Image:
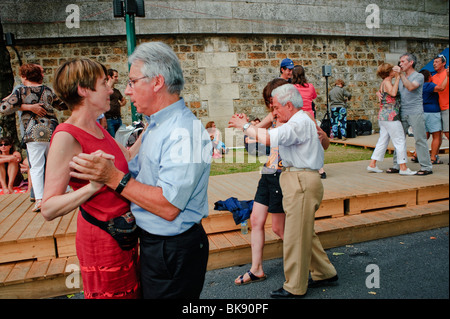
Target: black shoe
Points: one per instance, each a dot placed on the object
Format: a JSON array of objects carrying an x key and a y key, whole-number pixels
[
  {"x": 321, "y": 283},
  {"x": 281, "y": 293}
]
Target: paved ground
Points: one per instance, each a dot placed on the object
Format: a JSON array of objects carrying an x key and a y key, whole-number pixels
[{"x": 412, "y": 266}]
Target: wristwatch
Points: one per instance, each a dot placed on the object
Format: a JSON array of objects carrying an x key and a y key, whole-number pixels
[
  {"x": 246, "y": 126},
  {"x": 123, "y": 183}
]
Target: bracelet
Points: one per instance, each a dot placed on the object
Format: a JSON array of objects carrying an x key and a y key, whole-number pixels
[{"x": 123, "y": 183}]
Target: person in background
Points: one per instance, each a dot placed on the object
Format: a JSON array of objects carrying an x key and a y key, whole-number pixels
[
  {"x": 338, "y": 104},
  {"x": 308, "y": 93},
  {"x": 286, "y": 67},
  {"x": 410, "y": 88},
  {"x": 389, "y": 121},
  {"x": 439, "y": 63},
  {"x": 10, "y": 175},
  {"x": 219, "y": 147},
  {"x": 432, "y": 114},
  {"x": 38, "y": 104},
  {"x": 116, "y": 101}
]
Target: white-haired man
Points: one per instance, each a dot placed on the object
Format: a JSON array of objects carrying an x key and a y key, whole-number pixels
[{"x": 301, "y": 150}]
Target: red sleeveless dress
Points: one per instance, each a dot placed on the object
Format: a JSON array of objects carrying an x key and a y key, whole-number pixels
[{"x": 107, "y": 270}]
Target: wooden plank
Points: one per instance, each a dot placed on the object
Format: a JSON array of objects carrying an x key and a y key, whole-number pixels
[
  {"x": 14, "y": 251},
  {"x": 56, "y": 267},
  {"x": 66, "y": 246},
  {"x": 427, "y": 194},
  {"x": 64, "y": 222},
  {"x": 384, "y": 200},
  {"x": 235, "y": 239},
  {"x": 37, "y": 270},
  {"x": 5, "y": 270},
  {"x": 221, "y": 241},
  {"x": 19, "y": 272},
  {"x": 18, "y": 227},
  {"x": 7, "y": 225},
  {"x": 331, "y": 208}
]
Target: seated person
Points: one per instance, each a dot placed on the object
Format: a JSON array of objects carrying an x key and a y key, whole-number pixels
[
  {"x": 254, "y": 148},
  {"x": 9, "y": 166}
]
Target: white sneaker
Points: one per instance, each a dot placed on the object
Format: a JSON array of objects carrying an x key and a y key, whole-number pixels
[
  {"x": 374, "y": 169},
  {"x": 408, "y": 172}
]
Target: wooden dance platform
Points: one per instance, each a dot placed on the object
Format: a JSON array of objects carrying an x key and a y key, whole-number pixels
[{"x": 38, "y": 258}]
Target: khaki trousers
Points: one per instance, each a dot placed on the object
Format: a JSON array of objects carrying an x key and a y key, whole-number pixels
[{"x": 302, "y": 251}]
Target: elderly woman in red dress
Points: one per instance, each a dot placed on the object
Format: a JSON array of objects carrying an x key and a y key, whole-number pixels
[{"x": 107, "y": 270}]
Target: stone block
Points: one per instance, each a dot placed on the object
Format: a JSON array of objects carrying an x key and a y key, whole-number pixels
[
  {"x": 218, "y": 75},
  {"x": 219, "y": 91},
  {"x": 215, "y": 60}
]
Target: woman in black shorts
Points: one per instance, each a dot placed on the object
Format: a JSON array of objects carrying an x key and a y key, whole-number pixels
[{"x": 268, "y": 198}]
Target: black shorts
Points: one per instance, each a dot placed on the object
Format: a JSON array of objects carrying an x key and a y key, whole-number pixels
[{"x": 269, "y": 193}]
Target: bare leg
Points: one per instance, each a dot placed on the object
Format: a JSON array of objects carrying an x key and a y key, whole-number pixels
[{"x": 258, "y": 220}]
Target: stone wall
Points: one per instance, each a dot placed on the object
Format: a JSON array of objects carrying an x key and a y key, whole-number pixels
[
  {"x": 230, "y": 49},
  {"x": 226, "y": 74}
]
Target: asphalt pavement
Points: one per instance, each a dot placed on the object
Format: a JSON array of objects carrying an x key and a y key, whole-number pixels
[
  {"x": 411, "y": 266},
  {"x": 408, "y": 267}
]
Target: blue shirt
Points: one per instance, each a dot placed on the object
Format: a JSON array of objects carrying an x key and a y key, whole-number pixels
[
  {"x": 175, "y": 154},
  {"x": 430, "y": 98}
]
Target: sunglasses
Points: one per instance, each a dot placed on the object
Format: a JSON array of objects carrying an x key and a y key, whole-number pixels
[
  {"x": 441, "y": 56},
  {"x": 5, "y": 144}
]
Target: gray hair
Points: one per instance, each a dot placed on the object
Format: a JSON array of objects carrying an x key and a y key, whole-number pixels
[
  {"x": 410, "y": 57},
  {"x": 288, "y": 93},
  {"x": 159, "y": 59}
]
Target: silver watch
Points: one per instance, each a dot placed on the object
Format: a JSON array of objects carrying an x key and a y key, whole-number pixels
[{"x": 246, "y": 126}]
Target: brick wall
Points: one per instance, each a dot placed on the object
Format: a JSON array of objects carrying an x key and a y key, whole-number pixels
[{"x": 226, "y": 74}]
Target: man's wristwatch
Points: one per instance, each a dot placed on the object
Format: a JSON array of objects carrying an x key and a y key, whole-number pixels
[
  {"x": 123, "y": 183},
  {"x": 246, "y": 126}
]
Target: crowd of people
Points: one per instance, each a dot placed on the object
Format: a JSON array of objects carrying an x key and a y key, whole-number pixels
[
  {"x": 139, "y": 231},
  {"x": 408, "y": 99}
]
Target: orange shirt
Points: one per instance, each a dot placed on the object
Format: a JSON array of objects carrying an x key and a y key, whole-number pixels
[{"x": 443, "y": 96}]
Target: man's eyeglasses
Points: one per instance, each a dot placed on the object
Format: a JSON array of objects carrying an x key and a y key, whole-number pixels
[
  {"x": 131, "y": 83},
  {"x": 5, "y": 144}
]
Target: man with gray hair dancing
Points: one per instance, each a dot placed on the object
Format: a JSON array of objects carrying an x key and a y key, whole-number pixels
[
  {"x": 301, "y": 150},
  {"x": 167, "y": 190}
]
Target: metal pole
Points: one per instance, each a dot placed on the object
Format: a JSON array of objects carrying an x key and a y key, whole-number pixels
[{"x": 131, "y": 44}]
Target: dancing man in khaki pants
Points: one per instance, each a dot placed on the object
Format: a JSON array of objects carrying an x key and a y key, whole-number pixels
[{"x": 301, "y": 144}]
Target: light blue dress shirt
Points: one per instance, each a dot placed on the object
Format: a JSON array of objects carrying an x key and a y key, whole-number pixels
[{"x": 175, "y": 155}]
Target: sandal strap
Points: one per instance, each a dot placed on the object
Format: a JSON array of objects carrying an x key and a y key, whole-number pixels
[{"x": 252, "y": 276}]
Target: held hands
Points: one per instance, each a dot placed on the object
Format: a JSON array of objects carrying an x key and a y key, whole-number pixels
[
  {"x": 238, "y": 120},
  {"x": 97, "y": 167}
]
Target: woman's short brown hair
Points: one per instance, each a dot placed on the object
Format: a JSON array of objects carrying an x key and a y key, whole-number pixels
[
  {"x": 32, "y": 72},
  {"x": 267, "y": 91},
  {"x": 384, "y": 70},
  {"x": 77, "y": 72}
]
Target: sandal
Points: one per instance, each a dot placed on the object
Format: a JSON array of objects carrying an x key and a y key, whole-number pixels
[
  {"x": 253, "y": 279},
  {"x": 414, "y": 159},
  {"x": 437, "y": 161},
  {"x": 37, "y": 206},
  {"x": 423, "y": 173},
  {"x": 392, "y": 170}
]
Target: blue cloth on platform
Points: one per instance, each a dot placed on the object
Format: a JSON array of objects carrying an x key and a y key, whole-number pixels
[{"x": 241, "y": 209}]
